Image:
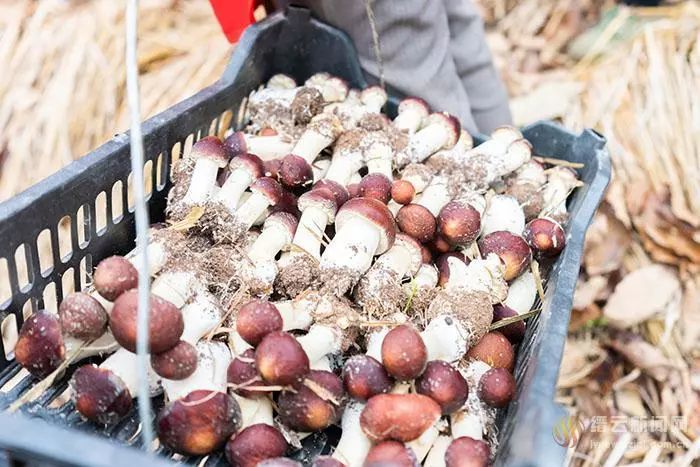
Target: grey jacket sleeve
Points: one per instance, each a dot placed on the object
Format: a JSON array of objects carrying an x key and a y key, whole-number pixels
[{"x": 418, "y": 51}]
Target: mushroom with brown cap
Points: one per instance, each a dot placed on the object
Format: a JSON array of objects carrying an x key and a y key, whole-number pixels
[
  {"x": 82, "y": 316},
  {"x": 380, "y": 290},
  {"x": 459, "y": 223},
  {"x": 265, "y": 147},
  {"x": 402, "y": 192},
  {"x": 332, "y": 88},
  {"x": 244, "y": 169},
  {"x": 254, "y": 444},
  {"x": 314, "y": 405},
  {"x": 497, "y": 387},
  {"x": 373, "y": 98},
  {"x": 391, "y": 453},
  {"x": 199, "y": 423},
  {"x": 418, "y": 219},
  {"x": 377, "y": 186},
  {"x": 260, "y": 269},
  {"x": 364, "y": 377},
  {"x": 511, "y": 248},
  {"x": 113, "y": 276},
  {"x": 364, "y": 228},
  {"x": 514, "y": 332},
  {"x": 210, "y": 155},
  {"x": 419, "y": 176},
  {"x": 164, "y": 328},
  {"x": 298, "y": 268},
  {"x": 281, "y": 360},
  {"x": 266, "y": 192},
  {"x": 440, "y": 131},
  {"x": 40, "y": 348},
  {"x": 401, "y": 417},
  {"x": 444, "y": 384},
  {"x": 412, "y": 112},
  {"x": 545, "y": 236},
  {"x": 467, "y": 452},
  {"x": 525, "y": 185}
]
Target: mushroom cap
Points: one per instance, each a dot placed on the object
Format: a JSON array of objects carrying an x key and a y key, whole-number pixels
[
  {"x": 365, "y": 377},
  {"x": 415, "y": 250},
  {"x": 401, "y": 417},
  {"x": 514, "y": 332},
  {"x": 467, "y": 452},
  {"x": 256, "y": 319},
  {"x": 497, "y": 387},
  {"x": 377, "y": 186},
  {"x": 404, "y": 353},
  {"x": 426, "y": 254},
  {"x": 100, "y": 395},
  {"x": 281, "y": 81},
  {"x": 506, "y": 134},
  {"x": 417, "y": 221},
  {"x": 198, "y": 423},
  {"x": 250, "y": 163},
  {"x": 302, "y": 409},
  {"x": 255, "y": 443},
  {"x": 444, "y": 384},
  {"x": 114, "y": 276},
  {"x": 242, "y": 372},
  {"x": 327, "y": 125},
  {"x": 165, "y": 324},
  {"x": 82, "y": 316},
  {"x": 495, "y": 350},
  {"x": 545, "y": 236},
  {"x": 459, "y": 223},
  {"x": 268, "y": 187},
  {"x": 414, "y": 104},
  {"x": 373, "y": 95},
  {"x": 520, "y": 150},
  {"x": 390, "y": 453},
  {"x": 294, "y": 171},
  {"x": 210, "y": 147},
  {"x": 39, "y": 348},
  {"x": 326, "y": 461},
  {"x": 280, "y": 359},
  {"x": 177, "y": 363},
  {"x": 353, "y": 190},
  {"x": 512, "y": 249},
  {"x": 320, "y": 198},
  {"x": 402, "y": 191},
  {"x": 282, "y": 220},
  {"x": 451, "y": 125},
  {"x": 375, "y": 213},
  {"x": 287, "y": 203},
  {"x": 317, "y": 78},
  {"x": 339, "y": 191},
  {"x": 307, "y": 103},
  {"x": 439, "y": 245},
  {"x": 271, "y": 168},
  {"x": 236, "y": 143}
]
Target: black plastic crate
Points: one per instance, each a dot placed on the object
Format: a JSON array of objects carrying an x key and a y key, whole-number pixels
[{"x": 88, "y": 195}]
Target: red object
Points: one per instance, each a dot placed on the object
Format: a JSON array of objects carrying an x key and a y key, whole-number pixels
[{"x": 234, "y": 16}]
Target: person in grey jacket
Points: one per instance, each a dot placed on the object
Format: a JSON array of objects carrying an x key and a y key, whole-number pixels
[{"x": 434, "y": 49}]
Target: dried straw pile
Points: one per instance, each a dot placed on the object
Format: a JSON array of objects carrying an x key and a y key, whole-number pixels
[
  {"x": 63, "y": 84},
  {"x": 631, "y": 368}
]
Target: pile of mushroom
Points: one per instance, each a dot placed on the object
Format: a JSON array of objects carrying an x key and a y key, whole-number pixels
[{"x": 325, "y": 266}]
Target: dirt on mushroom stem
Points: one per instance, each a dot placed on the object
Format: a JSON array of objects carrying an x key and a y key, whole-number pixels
[
  {"x": 301, "y": 274},
  {"x": 380, "y": 293}
]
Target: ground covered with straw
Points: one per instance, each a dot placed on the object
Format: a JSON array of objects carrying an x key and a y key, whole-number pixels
[{"x": 631, "y": 369}]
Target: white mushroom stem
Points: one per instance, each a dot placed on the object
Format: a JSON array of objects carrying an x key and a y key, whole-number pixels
[
  {"x": 503, "y": 213},
  {"x": 522, "y": 293},
  {"x": 427, "y": 276},
  {"x": 320, "y": 168},
  {"x": 560, "y": 182},
  {"x": 212, "y": 364},
  {"x": 396, "y": 259},
  {"x": 353, "y": 246},
  {"x": 409, "y": 120},
  {"x": 255, "y": 410},
  {"x": 177, "y": 287},
  {"x": 480, "y": 275},
  {"x": 295, "y": 314},
  {"x": 320, "y": 341},
  {"x": 123, "y": 364},
  {"x": 474, "y": 418},
  {"x": 255, "y": 206},
  {"x": 344, "y": 167},
  {"x": 436, "y": 456},
  {"x": 374, "y": 343},
  {"x": 272, "y": 240},
  {"x": 200, "y": 317},
  {"x": 423, "y": 443},
  {"x": 427, "y": 141},
  {"x": 315, "y": 138},
  {"x": 267, "y": 148},
  {"x": 202, "y": 181},
  {"x": 233, "y": 188},
  {"x": 309, "y": 234},
  {"x": 445, "y": 339},
  {"x": 105, "y": 344},
  {"x": 379, "y": 157},
  {"x": 353, "y": 445},
  {"x": 494, "y": 159},
  {"x": 435, "y": 196}
]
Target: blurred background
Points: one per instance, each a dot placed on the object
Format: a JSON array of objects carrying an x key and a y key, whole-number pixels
[{"x": 632, "y": 362}]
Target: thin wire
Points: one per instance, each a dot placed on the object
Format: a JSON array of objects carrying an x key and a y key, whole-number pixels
[
  {"x": 375, "y": 42},
  {"x": 141, "y": 216}
]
